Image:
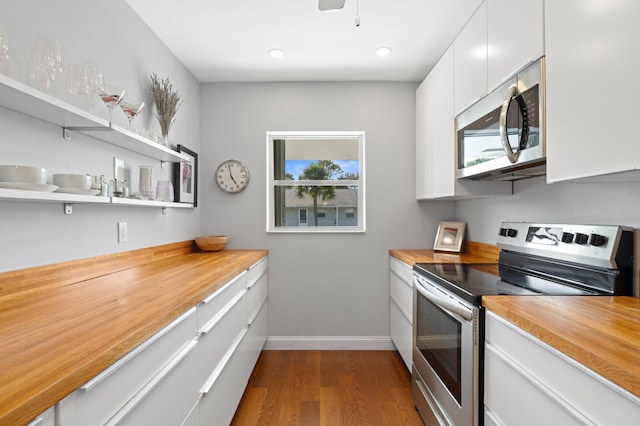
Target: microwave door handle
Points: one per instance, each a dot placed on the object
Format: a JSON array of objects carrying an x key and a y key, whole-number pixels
[
  {"x": 504, "y": 137},
  {"x": 443, "y": 302}
]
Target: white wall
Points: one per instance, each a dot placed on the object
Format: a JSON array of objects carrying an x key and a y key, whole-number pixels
[
  {"x": 111, "y": 34},
  {"x": 319, "y": 285}
]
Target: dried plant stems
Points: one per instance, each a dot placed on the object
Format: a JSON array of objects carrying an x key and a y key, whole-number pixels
[{"x": 167, "y": 101}]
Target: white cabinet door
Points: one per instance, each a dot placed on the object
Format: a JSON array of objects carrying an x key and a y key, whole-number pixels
[
  {"x": 515, "y": 37},
  {"x": 592, "y": 87},
  {"x": 435, "y": 140},
  {"x": 470, "y": 52},
  {"x": 423, "y": 148},
  {"x": 440, "y": 120}
]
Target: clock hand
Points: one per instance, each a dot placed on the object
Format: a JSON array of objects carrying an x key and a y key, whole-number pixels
[{"x": 230, "y": 175}]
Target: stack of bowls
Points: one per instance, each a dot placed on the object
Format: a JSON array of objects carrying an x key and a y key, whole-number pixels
[
  {"x": 72, "y": 182},
  {"x": 23, "y": 174}
]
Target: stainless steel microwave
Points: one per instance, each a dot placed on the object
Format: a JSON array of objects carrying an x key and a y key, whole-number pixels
[{"x": 502, "y": 136}]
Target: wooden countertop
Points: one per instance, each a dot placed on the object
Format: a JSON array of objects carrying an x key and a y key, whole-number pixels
[
  {"x": 600, "y": 332},
  {"x": 472, "y": 252},
  {"x": 61, "y": 332}
]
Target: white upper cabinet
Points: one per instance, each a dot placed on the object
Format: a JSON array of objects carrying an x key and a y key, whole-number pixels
[
  {"x": 470, "y": 58},
  {"x": 435, "y": 140},
  {"x": 593, "y": 65},
  {"x": 514, "y": 37}
]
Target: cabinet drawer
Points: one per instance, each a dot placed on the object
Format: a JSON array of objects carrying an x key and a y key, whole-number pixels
[
  {"x": 597, "y": 398},
  {"x": 97, "y": 400},
  {"x": 47, "y": 418},
  {"x": 256, "y": 337},
  {"x": 401, "y": 294},
  {"x": 257, "y": 290},
  {"x": 168, "y": 398},
  {"x": 219, "y": 335},
  {"x": 401, "y": 333},
  {"x": 256, "y": 270},
  {"x": 402, "y": 270},
  {"x": 223, "y": 391},
  {"x": 513, "y": 398},
  {"x": 210, "y": 307}
]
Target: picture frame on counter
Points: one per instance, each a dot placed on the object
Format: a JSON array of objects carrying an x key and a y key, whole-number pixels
[
  {"x": 185, "y": 177},
  {"x": 449, "y": 236}
]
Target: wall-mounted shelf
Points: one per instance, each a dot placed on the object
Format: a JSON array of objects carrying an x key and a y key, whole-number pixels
[
  {"x": 24, "y": 99},
  {"x": 62, "y": 198}
]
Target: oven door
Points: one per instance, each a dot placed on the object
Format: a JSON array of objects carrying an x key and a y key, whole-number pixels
[{"x": 446, "y": 351}]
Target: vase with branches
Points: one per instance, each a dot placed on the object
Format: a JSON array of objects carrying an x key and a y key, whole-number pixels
[{"x": 167, "y": 102}]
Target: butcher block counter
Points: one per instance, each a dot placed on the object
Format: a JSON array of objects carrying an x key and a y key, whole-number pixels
[
  {"x": 62, "y": 324},
  {"x": 472, "y": 252},
  {"x": 600, "y": 332}
]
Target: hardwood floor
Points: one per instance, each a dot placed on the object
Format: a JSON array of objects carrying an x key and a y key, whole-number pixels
[{"x": 328, "y": 388}]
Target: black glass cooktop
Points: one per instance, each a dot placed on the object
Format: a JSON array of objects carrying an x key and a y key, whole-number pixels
[{"x": 472, "y": 281}]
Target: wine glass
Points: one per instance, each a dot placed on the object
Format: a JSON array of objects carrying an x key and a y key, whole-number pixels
[
  {"x": 4, "y": 51},
  {"x": 45, "y": 62},
  {"x": 111, "y": 96},
  {"x": 131, "y": 110},
  {"x": 93, "y": 81}
]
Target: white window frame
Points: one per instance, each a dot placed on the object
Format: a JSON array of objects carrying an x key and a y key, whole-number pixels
[{"x": 360, "y": 183}]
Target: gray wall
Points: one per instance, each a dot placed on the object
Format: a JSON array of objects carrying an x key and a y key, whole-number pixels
[
  {"x": 111, "y": 34},
  {"x": 331, "y": 284},
  {"x": 536, "y": 201}
]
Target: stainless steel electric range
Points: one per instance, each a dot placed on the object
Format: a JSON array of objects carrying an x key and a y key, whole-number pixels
[{"x": 535, "y": 259}]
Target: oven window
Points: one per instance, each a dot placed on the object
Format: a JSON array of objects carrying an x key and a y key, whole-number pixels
[{"x": 438, "y": 338}]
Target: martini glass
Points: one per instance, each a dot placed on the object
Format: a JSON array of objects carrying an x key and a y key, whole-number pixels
[
  {"x": 131, "y": 111},
  {"x": 111, "y": 96}
]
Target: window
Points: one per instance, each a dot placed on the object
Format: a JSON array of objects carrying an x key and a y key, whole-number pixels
[{"x": 315, "y": 182}]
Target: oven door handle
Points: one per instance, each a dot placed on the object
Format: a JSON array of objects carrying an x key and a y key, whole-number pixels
[{"x": 443, "y": 301}]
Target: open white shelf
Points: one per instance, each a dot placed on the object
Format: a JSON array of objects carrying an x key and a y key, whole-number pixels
[
  {"x": 22, "y": 98},
  {"x": 62, "y": 198}
]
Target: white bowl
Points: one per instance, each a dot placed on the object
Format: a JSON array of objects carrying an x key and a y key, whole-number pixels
[
  {"x": 23, "y": 174},
  {"x": 72, "y": 181}
]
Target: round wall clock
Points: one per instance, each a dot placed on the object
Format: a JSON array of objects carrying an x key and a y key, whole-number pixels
[{"x": 232, "y": 176}]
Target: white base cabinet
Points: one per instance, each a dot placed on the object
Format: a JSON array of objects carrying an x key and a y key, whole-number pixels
[
  {"x": 401, "y": 308},
  {"x": 527, "y": 382},
  {"x": 193, "y": 372}
]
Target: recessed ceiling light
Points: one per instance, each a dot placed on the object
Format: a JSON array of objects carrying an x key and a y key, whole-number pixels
[
  {"x": 383, "y": 51},
  {"x": 276, "y": 53}
]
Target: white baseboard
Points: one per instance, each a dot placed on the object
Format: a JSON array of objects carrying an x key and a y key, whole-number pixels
[{"x": 365, "y": 343}]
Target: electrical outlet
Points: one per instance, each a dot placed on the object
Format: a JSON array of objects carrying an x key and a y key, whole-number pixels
[{"x": 123, "y": 234}]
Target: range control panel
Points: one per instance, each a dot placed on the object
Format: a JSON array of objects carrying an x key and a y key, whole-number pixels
[{"x": 595, "y": 245}]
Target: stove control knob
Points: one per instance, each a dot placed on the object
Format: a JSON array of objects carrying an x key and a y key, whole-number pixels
[
  {"x": 503, "y": 232},
  {"x": 581, "y": 239},
  {"x": 567, "y": 237},
  {"x": 512, "y": 232},
  {"x": 597, "y": 240}
]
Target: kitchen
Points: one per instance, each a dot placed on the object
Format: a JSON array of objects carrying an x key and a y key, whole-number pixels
[{"x": 228, "y": 120}]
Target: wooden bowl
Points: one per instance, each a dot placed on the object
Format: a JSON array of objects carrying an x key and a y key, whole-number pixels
[{"x": 211, "y": 243}]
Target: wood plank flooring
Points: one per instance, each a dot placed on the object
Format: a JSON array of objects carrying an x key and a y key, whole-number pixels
[{"x": 328, "y": 388}]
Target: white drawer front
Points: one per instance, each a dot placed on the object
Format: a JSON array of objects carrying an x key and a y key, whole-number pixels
[
  {"x": 401, "y": 294},
  {"x": 401, "y": 269},
  {"x": 212, "y": 305},
  {"x": 47, "y": 418},
  {"x": 220, "y": 336},
  {"x": 600, "y": 400},
  {"x": 256, "y": 269},
  {"x": 100, "y": 398},
  {"x": 168, "y": 398},
  {"x": 257, "y": 336},
  {"x": 401, "y": 333},
  {"x": 256, "y": 295}
]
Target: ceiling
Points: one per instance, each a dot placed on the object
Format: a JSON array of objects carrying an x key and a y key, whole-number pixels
[{"x": 223, "y": 41}]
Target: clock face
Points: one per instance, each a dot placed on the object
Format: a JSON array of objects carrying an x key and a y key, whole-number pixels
[{"x": 232, "y": 176}]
